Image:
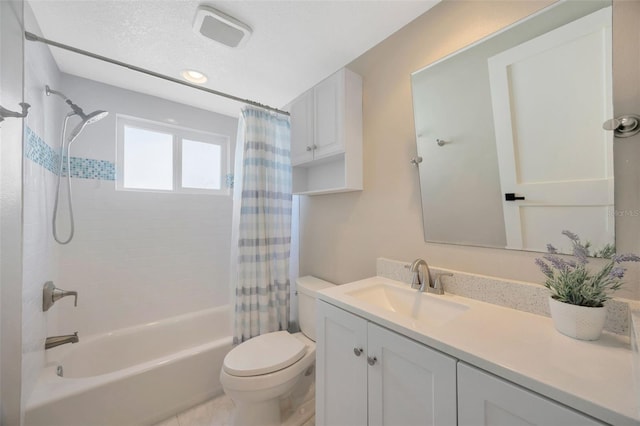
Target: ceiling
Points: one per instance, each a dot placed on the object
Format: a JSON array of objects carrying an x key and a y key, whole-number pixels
[{"x": 294, "y": 45}]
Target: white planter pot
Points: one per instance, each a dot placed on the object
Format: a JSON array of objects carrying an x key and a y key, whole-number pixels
[{"x": 579, "y": 322}]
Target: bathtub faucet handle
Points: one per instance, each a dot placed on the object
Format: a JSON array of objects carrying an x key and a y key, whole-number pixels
[{"x": 51, "y": 294}]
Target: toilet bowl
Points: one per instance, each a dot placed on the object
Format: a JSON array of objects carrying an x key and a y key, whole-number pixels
[{"x": 260, "y": 373}]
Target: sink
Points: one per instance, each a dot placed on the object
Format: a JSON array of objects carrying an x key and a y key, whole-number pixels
[{"x": 421, "y": 307}]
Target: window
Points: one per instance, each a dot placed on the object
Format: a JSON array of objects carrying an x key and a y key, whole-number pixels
[{"x": 159, "y": 157}]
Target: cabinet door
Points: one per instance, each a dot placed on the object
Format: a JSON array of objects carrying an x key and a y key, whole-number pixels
[
  {"x": 302, "y": 129},
  {"x": 329, "y": 101},
  {"x": 409, "y": 384},
  {"x": 341, "y": 374},
  {"x": 484, "y": 399}
]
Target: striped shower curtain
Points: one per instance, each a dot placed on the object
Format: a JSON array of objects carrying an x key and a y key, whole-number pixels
[{"x": 261, "y": 235}]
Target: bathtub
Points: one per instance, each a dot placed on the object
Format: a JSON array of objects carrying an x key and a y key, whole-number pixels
[{"x": 133, "y": 376}]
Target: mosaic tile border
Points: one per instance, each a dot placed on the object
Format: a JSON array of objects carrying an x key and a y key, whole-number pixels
[
  {"x": 87, "y": 168},
  {"x": 38, "y": 151},
  {"x": 228, "y": 180},
  {"x": 520, "y": 295}
]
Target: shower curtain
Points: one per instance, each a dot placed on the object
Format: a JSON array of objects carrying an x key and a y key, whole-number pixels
[{"x": 261, "y": 235}]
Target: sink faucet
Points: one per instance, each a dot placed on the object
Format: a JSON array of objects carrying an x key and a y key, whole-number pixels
[
  {"x": 437, "y": 285},
  {"x": 54, "y": 341},
  {"x": 417, "y": 282},
  {"x": 425, "y": 283}
]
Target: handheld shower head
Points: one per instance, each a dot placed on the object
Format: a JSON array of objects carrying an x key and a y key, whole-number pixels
[
  {"x": 66, "y": 154},
  {"x": 86, "y": 119},
  {"x": 96, "y": 116}
]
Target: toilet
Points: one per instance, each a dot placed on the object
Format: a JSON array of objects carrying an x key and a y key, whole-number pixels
[{"x": 267, "y": 372}]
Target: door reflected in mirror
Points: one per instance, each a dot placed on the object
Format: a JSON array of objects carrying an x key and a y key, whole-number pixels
[{"x": 525, "y": 155}]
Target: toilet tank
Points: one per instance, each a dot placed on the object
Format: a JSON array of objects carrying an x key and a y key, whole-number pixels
[{"x": 308, "y": 287}]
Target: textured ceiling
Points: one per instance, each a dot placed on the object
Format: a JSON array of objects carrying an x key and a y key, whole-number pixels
[{"x": 294, "y": 45}]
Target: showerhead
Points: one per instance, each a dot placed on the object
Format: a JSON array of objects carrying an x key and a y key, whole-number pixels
[
  {"x": 96, "y": 116},
  {"x": 86, "y": 119}
]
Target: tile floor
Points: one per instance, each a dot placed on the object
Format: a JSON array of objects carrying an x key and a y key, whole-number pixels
[{"x": 218, "y": 412}]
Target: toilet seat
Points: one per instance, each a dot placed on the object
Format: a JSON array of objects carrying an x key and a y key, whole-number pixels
[{"x": 276, "y": 351}]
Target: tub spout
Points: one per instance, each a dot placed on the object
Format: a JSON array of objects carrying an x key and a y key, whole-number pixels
[{"x": 54, "y": 341}]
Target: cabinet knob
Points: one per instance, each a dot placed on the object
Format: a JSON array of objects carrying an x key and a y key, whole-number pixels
[
  {"x": 358, "y": 351},
  {"x": 314, "y": 147},
  {"x": 372, "y": 360},
  {"x": 309, "y": 148}
]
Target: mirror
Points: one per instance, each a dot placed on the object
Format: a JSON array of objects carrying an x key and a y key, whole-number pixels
[{"x": 510, "y": 134}]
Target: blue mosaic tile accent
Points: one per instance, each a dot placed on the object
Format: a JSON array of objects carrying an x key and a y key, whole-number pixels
[
  {"x": 37, "y": 150},
  {"x": 87, "y": 168},
  {"x": 228, "y": 181}
]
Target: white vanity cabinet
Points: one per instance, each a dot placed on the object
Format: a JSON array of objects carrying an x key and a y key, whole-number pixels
[
  {"x": 484, "y": 399},
  {"x": 368, "y": 375},
  {"x": 326, "y": 136}
]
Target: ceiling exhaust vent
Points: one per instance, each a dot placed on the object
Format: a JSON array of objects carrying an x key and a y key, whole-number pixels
[{"x": 220, "y": 27}]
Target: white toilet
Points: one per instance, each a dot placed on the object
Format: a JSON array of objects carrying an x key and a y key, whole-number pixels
[{"x": 258, "y": 374}]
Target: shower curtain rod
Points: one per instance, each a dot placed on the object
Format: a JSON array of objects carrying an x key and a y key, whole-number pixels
[{"x": 32, "y": 37}]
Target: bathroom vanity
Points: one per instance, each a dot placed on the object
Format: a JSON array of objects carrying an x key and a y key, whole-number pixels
[{"x": 389, "y": 355}]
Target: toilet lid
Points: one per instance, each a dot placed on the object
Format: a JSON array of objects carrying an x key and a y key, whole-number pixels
[{"x": 264, "y": 354}]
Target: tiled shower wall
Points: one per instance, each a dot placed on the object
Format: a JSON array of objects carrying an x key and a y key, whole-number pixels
[
  {"x": 39, "y": 151},
  {"x": 138, "y": 256},
  {"x": 40, "y": 253}
]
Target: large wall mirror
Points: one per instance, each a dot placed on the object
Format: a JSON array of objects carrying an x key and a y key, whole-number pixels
[{"x": 510, "y": 134}]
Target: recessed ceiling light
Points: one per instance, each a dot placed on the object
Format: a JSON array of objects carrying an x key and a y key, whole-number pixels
[{"x": 194, "y": 76}]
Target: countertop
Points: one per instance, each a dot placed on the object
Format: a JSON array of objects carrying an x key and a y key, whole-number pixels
[{"x": 595, "y": 378}]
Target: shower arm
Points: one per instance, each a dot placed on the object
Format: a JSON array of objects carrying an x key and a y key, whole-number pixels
[
  {"x": 49, "y": 91},
  {"x": 76, "y": 109}
]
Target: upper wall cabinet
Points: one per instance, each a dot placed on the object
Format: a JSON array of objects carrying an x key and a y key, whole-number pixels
[{"x": 326, "y": 136}]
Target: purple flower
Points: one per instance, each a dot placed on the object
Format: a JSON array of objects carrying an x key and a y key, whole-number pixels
[
  {"x": 571, "y": 235},
  {"x": 557, "y": 263},
  {"x": 629, "y": 257},
  {"x": 544, "y": 268},
  {"x": 617, "y": 272},
  {"x": 580, "y": 252},
  {"x": 551, "y": 249}
]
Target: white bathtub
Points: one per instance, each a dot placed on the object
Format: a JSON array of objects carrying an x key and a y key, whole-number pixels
[{"x": 134, "y": 376}]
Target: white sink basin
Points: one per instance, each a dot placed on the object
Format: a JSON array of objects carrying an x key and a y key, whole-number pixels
[{"x": 421, "y": 307}]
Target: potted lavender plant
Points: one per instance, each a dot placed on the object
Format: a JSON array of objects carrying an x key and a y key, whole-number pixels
[{"x": 578, "y": 294}]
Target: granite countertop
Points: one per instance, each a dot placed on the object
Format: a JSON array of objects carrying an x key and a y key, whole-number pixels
[{"x": 595, "y": 378}]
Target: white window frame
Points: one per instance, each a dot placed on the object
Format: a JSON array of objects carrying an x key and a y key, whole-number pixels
[{"x": 178, "y": 133}]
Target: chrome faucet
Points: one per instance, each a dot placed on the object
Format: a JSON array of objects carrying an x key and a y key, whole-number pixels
[
  {"x": 54, "y": 341},
  {"x": 425, "y": 282},
  {"x": 437, "y": 284},
  {"x": 417, "y": 281}
]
